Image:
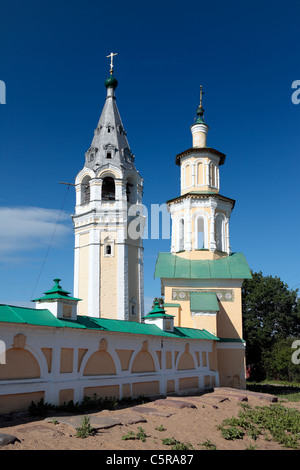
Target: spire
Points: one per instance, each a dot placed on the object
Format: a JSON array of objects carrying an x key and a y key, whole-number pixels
[
  {"x": 110, "y": 144},
  {"x": 200, "y": 110},
  {"x": 199, "y": 128}
]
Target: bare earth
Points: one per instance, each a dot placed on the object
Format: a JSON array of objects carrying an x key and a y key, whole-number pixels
[{"x": 188, "y": 419}]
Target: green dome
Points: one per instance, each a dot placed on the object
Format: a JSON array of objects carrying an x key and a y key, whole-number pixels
[
  {"x": 111, "y": 82},
  {"x": 200, "y": 112}
]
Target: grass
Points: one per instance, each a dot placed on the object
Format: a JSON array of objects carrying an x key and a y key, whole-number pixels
[
  {"x": 140, "y": 435},
  {"x": 274, "y": 421},
  {"x": 284, "y": 390},
  {"x": 176, "y": 445},
  {"x": 88, "y": 404},
  {"x": 85, "y": 429}
]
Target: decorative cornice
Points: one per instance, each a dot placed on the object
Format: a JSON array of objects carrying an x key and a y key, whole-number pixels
[
  {"x": 200, "y": 150},
  {"x": 201, "y": 196}
]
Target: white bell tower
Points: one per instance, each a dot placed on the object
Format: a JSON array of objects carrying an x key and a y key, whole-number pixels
[
  {"x": 200, "y": 215},
  {"x": 108, "y": 261}
]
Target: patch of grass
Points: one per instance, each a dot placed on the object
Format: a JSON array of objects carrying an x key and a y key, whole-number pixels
[
  {"x": 85, "y": 429},
  {"x": 140, "y": 435},
  {"x": 176, "y": 445},
  {"x": 282, "y": 423},
  {"x": 160, "y": 428},
  {"x": 208, "y": 445}
]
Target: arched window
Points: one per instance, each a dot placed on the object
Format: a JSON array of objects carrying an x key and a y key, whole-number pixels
[
  {"x": 180, "y": 242},
  {"x": 212, "y": 175},
  {"x": 200, "y": 233},
  {"x": 220, "y": 233},
  {"x": 200, "y": 174},
  {"x": 131, "y": 191},
  {"x": 108, "y": 189},
  {"x": 85, "y": 190},
  {"x": 187, "y": 176}
]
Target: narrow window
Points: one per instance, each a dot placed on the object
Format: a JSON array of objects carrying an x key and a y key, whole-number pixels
[
  {"x": 220, "y": 232},
  {"x": 181, "y": 235},
  {"x": 108, "y": 155},
  {"x": 108, "y": 249},
  {"x": 200, "y": 234},
  {"x": 212, "y": 175},
  {"x": 85, "y": 190}
]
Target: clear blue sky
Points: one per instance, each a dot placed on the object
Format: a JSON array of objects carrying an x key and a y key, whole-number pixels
[{"x": 53, "y": 62}]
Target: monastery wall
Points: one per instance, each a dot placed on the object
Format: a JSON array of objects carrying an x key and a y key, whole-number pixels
[{"x": 63, "y": 364}]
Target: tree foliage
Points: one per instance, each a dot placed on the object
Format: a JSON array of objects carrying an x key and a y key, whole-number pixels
[{"x": 270, "y": 314}]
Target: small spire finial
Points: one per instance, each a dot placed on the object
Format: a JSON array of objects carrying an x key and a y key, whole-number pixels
[
  {"x": 201, "y": 94},
  {"x": 111, "y": 55},
  {"x": 200, "y": 110}
]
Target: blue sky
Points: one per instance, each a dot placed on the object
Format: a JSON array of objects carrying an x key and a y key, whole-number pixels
[{"x": 53, "y": 62}]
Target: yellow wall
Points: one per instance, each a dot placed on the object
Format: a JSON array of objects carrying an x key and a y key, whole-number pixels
[
  {"x": 231, "y": 365},
  {"x": 83, "y": 273},
  {"x": 227, "y": 323},
  {"x": 109, "y": 279}
]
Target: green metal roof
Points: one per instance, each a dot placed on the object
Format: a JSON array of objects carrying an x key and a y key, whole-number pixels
[
  {"x": 157, "y": 312},
  {"x": 234, "y": 266},
  {"x": 30, "y": 316},
  {"x": 56, "y": 292},
  {"x": 204, "y": 301}
]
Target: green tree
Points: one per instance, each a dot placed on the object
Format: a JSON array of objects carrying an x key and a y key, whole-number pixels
[
  {"x": 278, "y": 362},
  {"x": 270, "y": 313},
  {"x": 160, "y": 301}
]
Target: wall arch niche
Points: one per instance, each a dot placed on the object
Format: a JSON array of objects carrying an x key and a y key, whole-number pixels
[
  {"x": 143, "y": 362},
  {"x": 100, "y": 363},
  {"x": 186, "y": 361},
  {"x": 20, "y": 364}
]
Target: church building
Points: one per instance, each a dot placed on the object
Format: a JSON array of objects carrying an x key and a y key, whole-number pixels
[
  {"x": 201, "y": 278},
  {"x": 99, "y": 340}
]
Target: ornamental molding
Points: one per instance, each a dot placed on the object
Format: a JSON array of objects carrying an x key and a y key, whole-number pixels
[{"x": 223, "y": 295}]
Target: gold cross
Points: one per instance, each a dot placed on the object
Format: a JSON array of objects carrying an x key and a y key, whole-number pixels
[{"x": 111, "y": 55}]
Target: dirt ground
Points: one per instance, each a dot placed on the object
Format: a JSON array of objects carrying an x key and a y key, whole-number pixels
[{"x": 189, "y": 419}]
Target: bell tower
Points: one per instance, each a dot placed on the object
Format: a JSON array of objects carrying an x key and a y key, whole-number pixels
[
  {"x": 108, "y": 261},
  {"x": 200, "y": 215}
]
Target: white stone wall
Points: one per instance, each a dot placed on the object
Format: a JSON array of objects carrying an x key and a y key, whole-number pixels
[{"x": 51, "y": 383}]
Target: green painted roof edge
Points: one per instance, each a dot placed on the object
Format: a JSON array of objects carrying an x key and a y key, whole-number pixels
[
  {"x": 43, "y": 317},
  {"x": 158, "y": 315},
  {"x": 55, "y": 296},
  {"x": 171, "y": 266}
]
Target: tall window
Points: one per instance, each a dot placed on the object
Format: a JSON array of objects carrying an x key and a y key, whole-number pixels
[
  {"x": 180, "y": 235},
  {"x": 85, "y": 190},
  {"x": 200, "y": 174},
  {"x": 200, "y": 233},
  {"x": 187, "y": 176},
  {"x": 212, "y": 175},
  {"x": 220, "y": 233},
  {"x": 108, "y": 189}
]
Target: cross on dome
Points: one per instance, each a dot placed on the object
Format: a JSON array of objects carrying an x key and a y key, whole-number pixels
[{"x": 111, "y": 55}]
